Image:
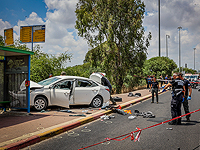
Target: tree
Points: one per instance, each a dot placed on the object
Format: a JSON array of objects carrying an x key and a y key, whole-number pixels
[
  {"x": 187, "y": 70},
  {"x": 1, "y": 41},
  {"x": 117, "y": 24},
  {"x": 43, "y": 64},
  {"x": 159, "y": 66}
]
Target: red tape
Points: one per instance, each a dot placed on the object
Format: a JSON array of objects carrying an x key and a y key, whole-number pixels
[{"x": 137, "y": 138}]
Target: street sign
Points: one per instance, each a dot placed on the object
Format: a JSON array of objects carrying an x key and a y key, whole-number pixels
[
  {"x": 26, "y": 34},
  {"x": 39, "y": 33},
  {"x": 8, "y": 36}
]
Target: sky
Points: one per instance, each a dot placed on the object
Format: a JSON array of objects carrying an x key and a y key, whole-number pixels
[{"x": 59, "y": 18}]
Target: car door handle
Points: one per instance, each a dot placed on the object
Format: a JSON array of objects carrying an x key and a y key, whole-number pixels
[{"x": 94, "y": 90}]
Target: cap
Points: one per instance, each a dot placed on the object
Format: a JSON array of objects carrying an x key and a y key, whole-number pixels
[
  {"x": 63, "y": 73},
  {"x": 174, "y": 74}
]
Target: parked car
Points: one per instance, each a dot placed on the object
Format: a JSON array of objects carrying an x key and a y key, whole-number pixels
[{"x": 68, "y": 90}]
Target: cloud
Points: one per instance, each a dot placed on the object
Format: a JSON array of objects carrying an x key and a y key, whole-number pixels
[
  {"x": 4, "y": 25},
  {"x": 174, "y": 13},
  {"x": 62, "y": 12}
]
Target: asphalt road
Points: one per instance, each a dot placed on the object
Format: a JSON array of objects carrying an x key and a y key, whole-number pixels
[{"x": 183, "y": 137}]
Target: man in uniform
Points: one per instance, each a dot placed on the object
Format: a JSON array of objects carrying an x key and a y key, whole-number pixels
[
  {"x": 177, "y": 97},
  {"x": 187, "y": 97},
  {"x": 154, "y": 86}
]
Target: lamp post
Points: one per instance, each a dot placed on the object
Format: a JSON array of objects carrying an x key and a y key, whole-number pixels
[
  {"x": 167, "y": 36},
  {"x": 159, "y": 25},
  {"x": 179, "y": 49},
  {"x": 194, "y": 58}
]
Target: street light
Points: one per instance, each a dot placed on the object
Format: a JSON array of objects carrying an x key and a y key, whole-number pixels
[
  {"x": 167, "y": 36},
  {"x": 194, "y": 58},
  {"x": 159, "y": 25},
  {"x": 179, "y": 49}
]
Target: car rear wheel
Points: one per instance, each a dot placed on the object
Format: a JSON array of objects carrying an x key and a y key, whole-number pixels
[
  {"x": 40, "y": 103},
  {"x": 97, "y": 102}
]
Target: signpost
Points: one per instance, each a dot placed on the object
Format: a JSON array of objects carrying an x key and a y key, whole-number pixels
[
  {"x": 8, "y": 36},
  {"x": 39, "y": 33},
  {"x": 26, "y": 34},
  {"x": 32, "y": 34}
]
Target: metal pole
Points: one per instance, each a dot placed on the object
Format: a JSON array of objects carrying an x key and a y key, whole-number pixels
[
  {"x": 167, "y": 36},
  {"x": 194, "y": 58},
  {"x": 179, "y": 50},
  {"x": 159, "y": 23}
]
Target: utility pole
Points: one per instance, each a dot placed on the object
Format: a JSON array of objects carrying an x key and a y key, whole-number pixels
[
  {"x": 179, "y": 49},
  {"x": 159, "y": 24},
  {"x": 167, "y": 36},
  {"x": 194, "y": 58}
]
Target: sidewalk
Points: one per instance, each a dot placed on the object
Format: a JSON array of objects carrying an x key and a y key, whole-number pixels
[{"x": 20, "y": 129}]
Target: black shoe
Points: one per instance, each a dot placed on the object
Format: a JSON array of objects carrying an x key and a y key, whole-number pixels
[
  {"x": 152, "y": 102},
  {"x": 171, "y": 123},
  {"x": 188, "y": 120}
]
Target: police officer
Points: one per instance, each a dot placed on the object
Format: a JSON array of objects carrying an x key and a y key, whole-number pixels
[
  {"x": 106, "y": 82},
  {"x": 154, "y": 89},
  {"x": 177, "y": 97},
  {"x": 187, "y": 97}
]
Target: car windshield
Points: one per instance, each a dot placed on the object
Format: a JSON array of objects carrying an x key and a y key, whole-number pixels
[{"x": 48, "y": 81}]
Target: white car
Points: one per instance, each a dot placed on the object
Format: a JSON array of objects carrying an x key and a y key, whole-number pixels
[{"x": 68, "y": 90}]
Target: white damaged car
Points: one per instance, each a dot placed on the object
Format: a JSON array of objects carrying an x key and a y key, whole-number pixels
[{"x": 67, "y": 90}]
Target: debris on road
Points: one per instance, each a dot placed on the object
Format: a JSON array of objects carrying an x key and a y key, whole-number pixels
[
  {"x": 147, "y": 114},
  {"x": 131, "y": 117},
  {"x": 169, "y": 128},
  {"x": 105, "y": 117}
]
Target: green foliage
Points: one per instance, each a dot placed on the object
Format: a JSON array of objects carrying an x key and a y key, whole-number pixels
[
  {"x": 84, "y": 70},
  {"x": 1, "y": 41},
  {"x": 43, "y": 64},
  {"x": 187, "y": 70},
  {"x": 118, "y": 25},
  {"x": 159, "y": 66}
]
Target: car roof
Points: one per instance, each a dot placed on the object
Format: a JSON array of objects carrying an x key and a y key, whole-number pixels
[{"x": 72, "y": 77}]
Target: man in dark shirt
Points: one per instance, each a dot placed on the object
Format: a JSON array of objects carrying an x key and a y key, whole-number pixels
[
  {"x": 154, "y": 89},
  {"x": 187, "y": 97},
  {"x": 178, "y": 94}
]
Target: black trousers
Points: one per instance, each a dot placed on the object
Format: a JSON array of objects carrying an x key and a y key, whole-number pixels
[
  {"x": 176, "y": 107},
  {"x": 154, "y": 90},
  {"x": 186, "y": 106}
]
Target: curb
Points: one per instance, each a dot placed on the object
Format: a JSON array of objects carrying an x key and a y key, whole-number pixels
[{"x": 50, "y": 133}]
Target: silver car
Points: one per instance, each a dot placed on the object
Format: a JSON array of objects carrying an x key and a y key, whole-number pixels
[{"x": 68, "y": 90}]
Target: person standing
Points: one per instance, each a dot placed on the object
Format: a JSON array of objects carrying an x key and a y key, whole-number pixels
[
  {"x": 154, "y": 89},
  {"x": 166, "y": 78},
  {"x": 161, "y": 82},
  {"x": 177, "y": 97},
  {"x": 187, "y": 97},
  {"x": 148, "y": 82},
  {"x": 107, "y": 83}
]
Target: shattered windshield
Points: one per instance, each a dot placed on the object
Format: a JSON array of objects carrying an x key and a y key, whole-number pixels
[{"x": 48, "y": 81}]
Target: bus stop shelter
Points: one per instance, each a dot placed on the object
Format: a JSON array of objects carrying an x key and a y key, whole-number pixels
[{"x": 14, "y": 71}]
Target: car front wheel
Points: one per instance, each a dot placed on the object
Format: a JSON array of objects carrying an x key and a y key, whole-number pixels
[
  {"x": 40, "y": 103},
  {"x": 97, "y": 102}
]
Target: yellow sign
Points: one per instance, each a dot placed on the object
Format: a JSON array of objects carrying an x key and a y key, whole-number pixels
[
  {"x": 39, "y": 33},
  {"x": 26, "y": 34},
  {"x": 8, "y": 36}
]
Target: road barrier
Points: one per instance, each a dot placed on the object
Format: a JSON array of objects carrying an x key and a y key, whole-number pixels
[{"x": 138, "y": 130}]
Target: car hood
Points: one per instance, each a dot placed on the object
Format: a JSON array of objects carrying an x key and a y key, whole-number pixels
[{"x": 33, "y": 85}]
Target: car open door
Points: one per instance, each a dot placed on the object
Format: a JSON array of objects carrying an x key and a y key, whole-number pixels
[{"x": 60, "y": 93}]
